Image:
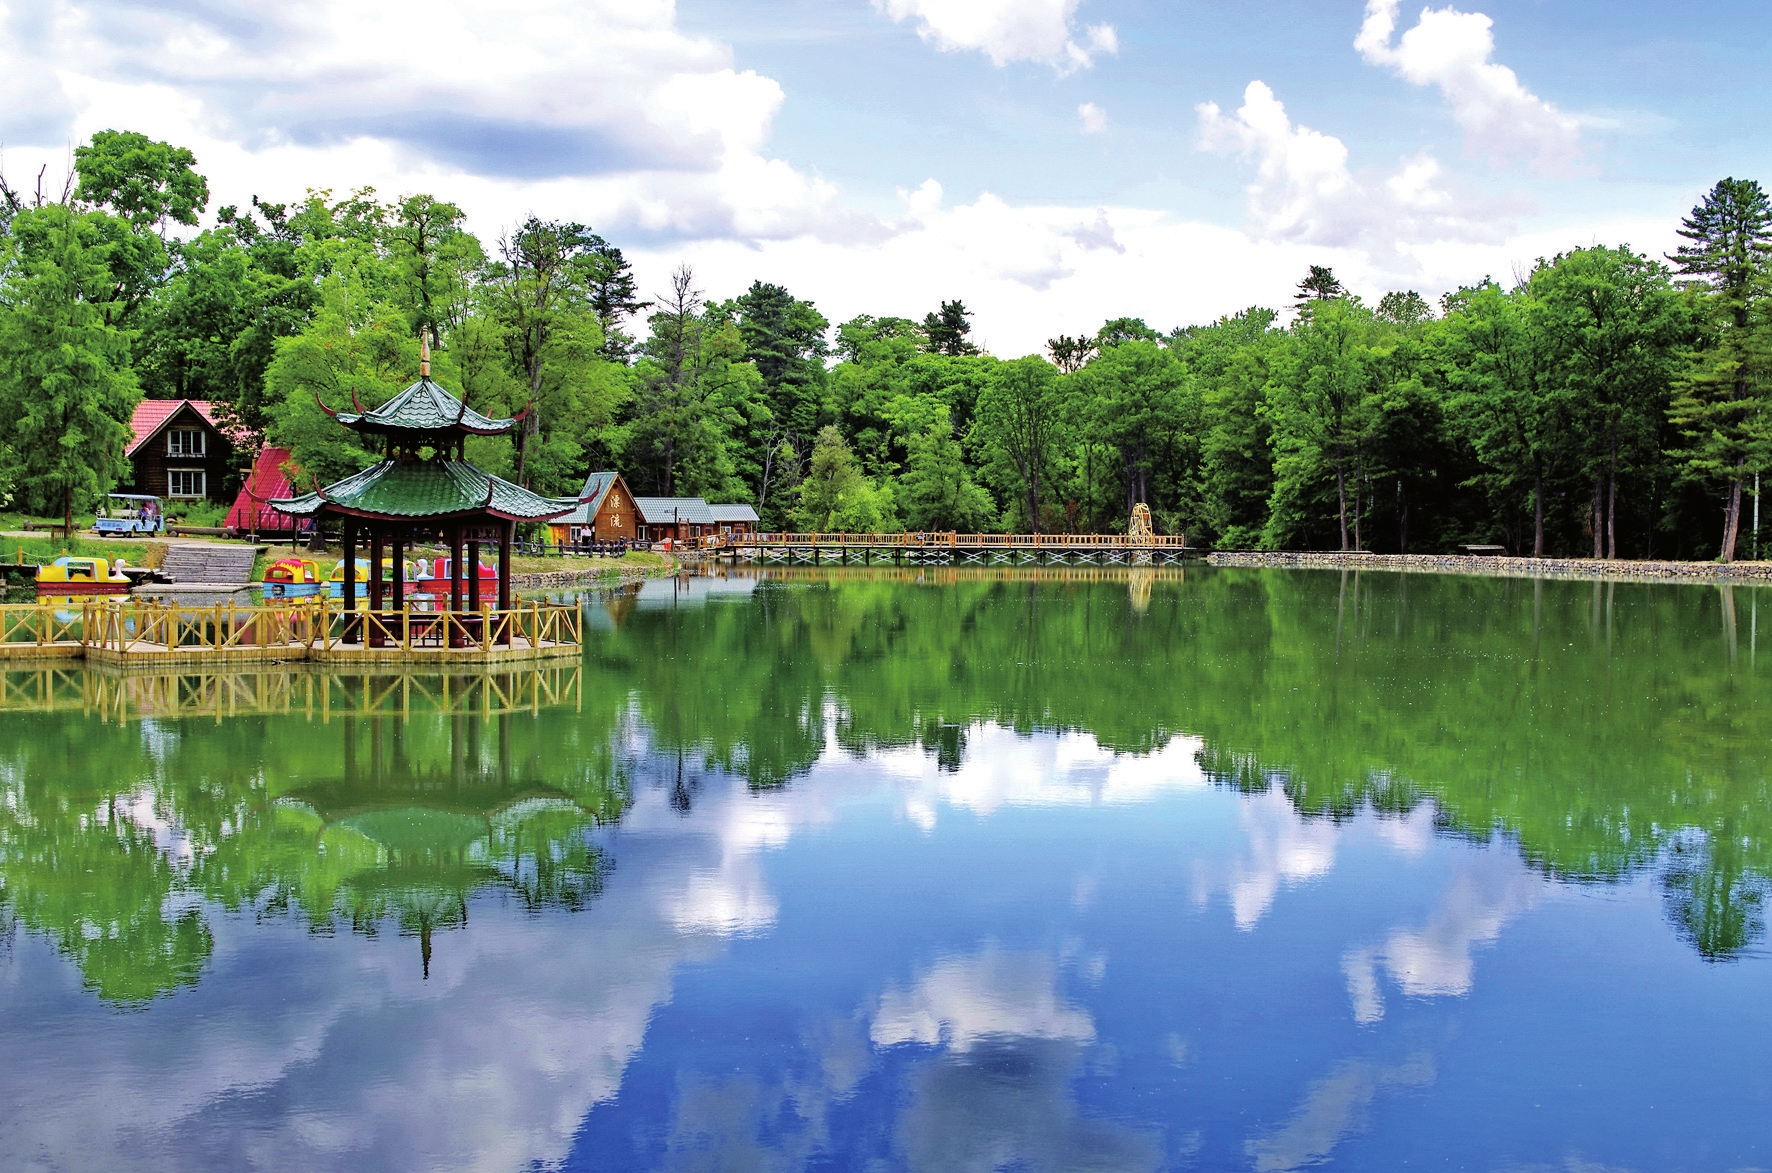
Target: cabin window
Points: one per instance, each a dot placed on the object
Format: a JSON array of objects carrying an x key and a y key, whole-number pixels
[
  {"x": 186, "y": 482},
  {"x": 185, "y": 442}
]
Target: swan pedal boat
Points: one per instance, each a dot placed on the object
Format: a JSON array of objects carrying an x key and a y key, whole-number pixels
[{"x": 71, "y": 575}]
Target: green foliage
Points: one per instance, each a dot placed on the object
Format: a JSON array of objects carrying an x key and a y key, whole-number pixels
[
  {"x": 390, "y": 819},
  {"x": 691, "y": 392},
  {"x": 1721, "y": 405},
  {"x": 1320, "y": 284},
  {"x": 66, "y": 386},
  {"x": 1598, "y": 408},
  {"x": 145, "y": 182},
  {"x": 355, "y": 352},
  {"x": 937, "y": 490},
  {"x": 945, "y": 330},
  {"x": 1019, "y": 426},
  {"x": 835, "y": 497},
  {"x": 784, "y": 339}
]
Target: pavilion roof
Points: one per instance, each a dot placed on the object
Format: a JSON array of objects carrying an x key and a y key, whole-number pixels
[
  {"x": 407, "y": 489},
  {"x": 422, "y": 410}
]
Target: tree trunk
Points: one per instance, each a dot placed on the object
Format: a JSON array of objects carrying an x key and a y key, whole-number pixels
[
  {"x": 1612, "y": 501},
  {"x": 1357, "y": 511},
  {"x": 68, "y": 512},
  {"x": 1402, "y": 519},
  {"x": 1341, "y": 495},
  {"x": 1595, "y": 522},
  {"x": 1537, "y": 506},
  {"x": 1732, "y": 518}
]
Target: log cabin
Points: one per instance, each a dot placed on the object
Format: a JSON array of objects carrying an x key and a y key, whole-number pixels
[
  {"x": 603, "y": 512},
  {"x": 181, "y": 450}
]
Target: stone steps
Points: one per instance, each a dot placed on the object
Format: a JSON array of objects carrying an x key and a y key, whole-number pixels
[{"x": 195, "y": 563}]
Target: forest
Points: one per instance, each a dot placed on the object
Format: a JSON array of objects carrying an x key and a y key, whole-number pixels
[{"x": 1600, "y": 403}]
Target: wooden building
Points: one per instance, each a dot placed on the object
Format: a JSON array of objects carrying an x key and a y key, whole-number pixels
[
  {"x": 734, "y": 519},
  {"x": 681, "y": 519},
  {"x": 181, "y": 450},
  {"x": 603, "y": 512}
]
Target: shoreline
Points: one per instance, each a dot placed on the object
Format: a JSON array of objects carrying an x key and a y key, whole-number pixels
[
  {"x": 1484, "y": 566},
  {"x": 607, "y": 576}
]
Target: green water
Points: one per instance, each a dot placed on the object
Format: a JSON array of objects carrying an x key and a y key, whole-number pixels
[{"x": 1158, "y": 866}]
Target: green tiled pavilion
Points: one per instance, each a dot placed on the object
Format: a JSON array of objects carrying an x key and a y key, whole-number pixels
[{"x": 409, "y": 496}]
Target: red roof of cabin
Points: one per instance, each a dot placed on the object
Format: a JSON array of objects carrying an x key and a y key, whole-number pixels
[
  {"x": 152, "y": 414},
  {"x": 266, "y": 481}
]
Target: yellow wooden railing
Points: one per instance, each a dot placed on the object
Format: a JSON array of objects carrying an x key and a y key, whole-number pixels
[
  {"x": 41, "y": 623},
  {"x": 139, "y": 625},
  {"x": 337, "y": 691},
  {"x": 957, "y": 541},
  {"x": 526, "y": 624},
  {"x": 124, "y": 626}
]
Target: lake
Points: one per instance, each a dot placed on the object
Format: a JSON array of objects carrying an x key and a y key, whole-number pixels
[{"x": 917, "y": 869}]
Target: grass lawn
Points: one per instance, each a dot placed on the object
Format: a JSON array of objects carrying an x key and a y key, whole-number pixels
[{"x": 47, "y": 548}]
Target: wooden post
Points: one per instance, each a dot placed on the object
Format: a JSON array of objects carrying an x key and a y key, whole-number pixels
[
  {"x": 350, "y": 569},
  {"x": 455, "y": 567},
  {"x": 399, "y": 571},
  {"x": 506, "y": 531},
  {"x": 375, "y": 548}
]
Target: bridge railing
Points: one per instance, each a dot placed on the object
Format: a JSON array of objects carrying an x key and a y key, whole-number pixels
[{"x": 959, "y": 541}]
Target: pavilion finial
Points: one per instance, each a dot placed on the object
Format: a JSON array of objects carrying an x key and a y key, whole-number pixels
[{"x": 424, "y": 354}]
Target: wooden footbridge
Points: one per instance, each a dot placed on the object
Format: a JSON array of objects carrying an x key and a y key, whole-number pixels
[{"x": 953, "y": 549}]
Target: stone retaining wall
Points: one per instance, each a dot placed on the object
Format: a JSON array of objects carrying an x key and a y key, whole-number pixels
[
  {"x": 1571, "y": 568},
  {"x": 565, "y": 580}
]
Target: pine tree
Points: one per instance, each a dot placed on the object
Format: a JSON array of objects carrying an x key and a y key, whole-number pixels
[
  {"x": 946, "y": 331},
  {"x": 1320, "y": 284},
  {"x": 1721, "y": 406}
]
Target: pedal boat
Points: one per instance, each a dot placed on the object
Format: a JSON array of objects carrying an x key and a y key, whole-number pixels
[
  {"x": 292, "y": 578},
  {"x": 69, "y": 575}
]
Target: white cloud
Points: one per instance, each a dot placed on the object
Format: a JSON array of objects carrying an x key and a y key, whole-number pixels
[
  {"x": 1007, "y": 30},
  {"x": 603, "y": 105},
  {"x": 963, "y": 1002},
  {"x": 1003, "y": 768},
  {"x": 1438, "y": 959},
  {"x": 1305, "y": 191},
  {"x": 1450, "y": 49},
  {"x": 1093, "y": 116},
  {"x": 1335, "y": 1108}
]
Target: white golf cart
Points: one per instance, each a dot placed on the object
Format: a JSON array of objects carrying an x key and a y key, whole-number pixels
[{"x": 128, "y": 514}]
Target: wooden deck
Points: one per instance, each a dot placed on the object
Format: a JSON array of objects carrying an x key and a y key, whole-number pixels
[{"x": 159, "y": 634}]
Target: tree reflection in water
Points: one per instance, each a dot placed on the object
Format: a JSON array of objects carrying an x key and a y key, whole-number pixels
[{"x": 118, "y": 840}]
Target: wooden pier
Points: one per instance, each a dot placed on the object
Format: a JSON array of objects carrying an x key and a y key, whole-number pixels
[
  {"x": 141, "y": 633},
  {"x": 953, "y": 549}
]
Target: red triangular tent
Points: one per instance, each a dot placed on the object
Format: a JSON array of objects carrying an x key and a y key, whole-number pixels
[{"x": 266, "y": 482}]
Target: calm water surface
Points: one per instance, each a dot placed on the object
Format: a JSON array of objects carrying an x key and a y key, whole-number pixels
[{"x": 880, "y": 871}]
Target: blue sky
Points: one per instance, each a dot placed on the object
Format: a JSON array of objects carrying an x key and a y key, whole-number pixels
[{"x": 1053, "y": 162}]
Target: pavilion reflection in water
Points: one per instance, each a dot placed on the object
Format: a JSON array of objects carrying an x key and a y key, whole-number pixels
[{"x": 427, "y": 790}]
